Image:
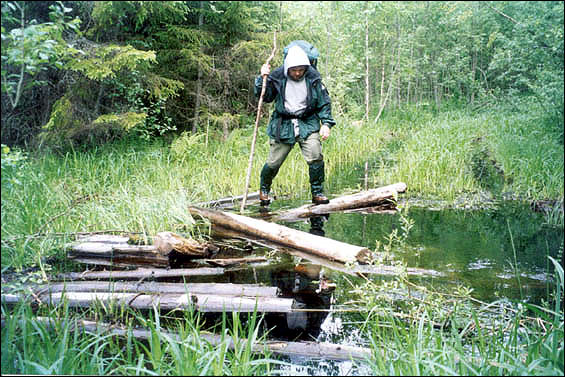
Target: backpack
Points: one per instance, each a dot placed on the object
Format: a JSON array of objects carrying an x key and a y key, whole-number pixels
[{"x": 308, "y": 48}]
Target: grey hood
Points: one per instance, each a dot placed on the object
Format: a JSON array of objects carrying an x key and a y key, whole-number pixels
[{"x": 295, "y": 57}]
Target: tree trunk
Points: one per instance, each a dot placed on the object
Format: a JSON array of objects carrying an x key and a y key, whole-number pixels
[
  {"x": 284, "y": 236},
  {"x": 370, "y": 198},
  {"x": 366, "y": 118},
  {"x": 199, "y": 80}
]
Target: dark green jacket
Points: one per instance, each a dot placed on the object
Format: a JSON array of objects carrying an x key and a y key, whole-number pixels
[{"x": 318, "y": 107}]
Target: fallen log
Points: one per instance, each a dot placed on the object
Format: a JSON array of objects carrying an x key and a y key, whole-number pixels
[
  {"x": 225, "y": 262},
  {"x": 230, "y": 202},
  {"x": 228, "y": 289},
  {"x": 205, "y": 303},
  {"x": 279, "y": 234},
  {"x": 110, "y": 252},
  {"x": 305, "y": 349},
  {"x": 383, "y": 196},
  {"x": 355, "y": 270},
  {"x": 142, "y": 273}
]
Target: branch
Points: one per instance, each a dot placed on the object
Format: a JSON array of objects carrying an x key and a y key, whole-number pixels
[{"x": 502, "y": 14}]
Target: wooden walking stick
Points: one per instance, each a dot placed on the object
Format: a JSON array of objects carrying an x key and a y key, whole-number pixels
[{"x": 257, "y": 125}]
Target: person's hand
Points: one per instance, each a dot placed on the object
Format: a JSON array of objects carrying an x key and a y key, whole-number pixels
[
  {"x": 265, "y": 69},
  {"x": 324, "y": 132}
]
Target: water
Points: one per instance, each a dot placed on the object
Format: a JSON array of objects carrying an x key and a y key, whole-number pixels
[{"x": 499, "y": 252}]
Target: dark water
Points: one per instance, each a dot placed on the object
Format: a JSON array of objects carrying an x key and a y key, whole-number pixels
[{"x": 500, "y": 252}]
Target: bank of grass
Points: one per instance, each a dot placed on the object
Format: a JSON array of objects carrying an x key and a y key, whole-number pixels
[
  {"x": 448, "y": 333},
  {"x": 146, "y": 186},
  {"x": 54, "y": 346}
]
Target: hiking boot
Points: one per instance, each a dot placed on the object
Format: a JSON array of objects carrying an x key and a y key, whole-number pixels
[
  {"x": 320, "y": 199},
  {"x": 264, "y": 198}
]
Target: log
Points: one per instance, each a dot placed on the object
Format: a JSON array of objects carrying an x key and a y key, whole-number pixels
[
  {"x": 165, "y": 242},
  {"x": 228, "y": 289},
  {"x": 112, "y": 252},
  {"x": 375, "y": 197},
  {"x": 230, "y": 202},
  {"x": 354, "y": 270},
  {"x": 305, "y": 349},
  {"x": 104, "y": 238},
  {"x": 205, "y": 303},
  {"x": 233, "y": 261},
  {"x": 279, "y": 234},
  {"x": 141, "y": 273}
]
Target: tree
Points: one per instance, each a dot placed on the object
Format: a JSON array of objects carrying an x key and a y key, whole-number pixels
[{"x": 31, "y": 47}]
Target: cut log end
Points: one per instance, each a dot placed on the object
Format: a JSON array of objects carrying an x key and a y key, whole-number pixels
[
  {"x": 166, "y": 242},
  {"x": 363, "y": 256}
]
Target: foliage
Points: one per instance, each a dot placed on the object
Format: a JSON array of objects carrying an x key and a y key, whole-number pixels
[{"x": 30, "y": 48}]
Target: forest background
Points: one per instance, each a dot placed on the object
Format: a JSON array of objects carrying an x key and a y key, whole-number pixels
[{"x": 88, "y": 72}]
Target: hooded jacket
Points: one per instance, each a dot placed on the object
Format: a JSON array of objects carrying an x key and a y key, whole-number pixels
[{"x": 318, "y": 103}]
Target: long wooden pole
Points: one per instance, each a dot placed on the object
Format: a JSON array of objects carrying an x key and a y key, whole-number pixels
[{"x": 257, "y": 125}]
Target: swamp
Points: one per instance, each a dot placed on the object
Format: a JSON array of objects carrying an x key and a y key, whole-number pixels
[{"x": 134, "y": 240}]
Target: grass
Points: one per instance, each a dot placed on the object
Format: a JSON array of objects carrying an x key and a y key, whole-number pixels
[
  {"x": 32, "y": 347},
  {"x": 449, "y": 333},
  {"x": 135, "y": 186}
]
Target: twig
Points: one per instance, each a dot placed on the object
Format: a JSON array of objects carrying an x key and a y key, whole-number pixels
[{"x": 502, "y": 14}]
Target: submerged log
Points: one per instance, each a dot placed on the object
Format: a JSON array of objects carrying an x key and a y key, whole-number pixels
[
  {"x": 383, "y": 196},
  {"x": 142, "y": 273},
  {"x": 284, "y": 236},
  {"x": 354, "y": 270},
  {"x": 225, "y": 262},
  {"x": 305, "y": 349}
]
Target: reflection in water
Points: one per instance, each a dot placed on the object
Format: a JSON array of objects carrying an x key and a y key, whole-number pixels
[{"x": 317, "y": 224}]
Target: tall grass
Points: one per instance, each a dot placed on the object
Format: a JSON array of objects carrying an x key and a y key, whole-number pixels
[
  {"x": 448, "y": 333},
  {"x": 30, "y": 346}
]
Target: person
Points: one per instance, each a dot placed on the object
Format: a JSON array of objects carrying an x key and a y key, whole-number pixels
[{"x": 302, "y": 114}]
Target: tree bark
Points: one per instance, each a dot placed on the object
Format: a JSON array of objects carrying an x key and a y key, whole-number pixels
[
  {"x": 366, "y": 61},
  {"x": 284, "y": 236},
  {"x": 199, "y": 80},
  {"x": 374, "y": 197}
]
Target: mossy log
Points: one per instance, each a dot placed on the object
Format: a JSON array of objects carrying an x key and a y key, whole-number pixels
[{"x": 165, "y": 242}]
